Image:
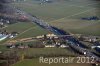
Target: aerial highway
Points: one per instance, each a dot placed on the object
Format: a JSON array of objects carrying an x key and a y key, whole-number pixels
[{"x": 73, "y": 42}]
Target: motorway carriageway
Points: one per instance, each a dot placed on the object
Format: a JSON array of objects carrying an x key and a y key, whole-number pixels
[{"x": 73, "y": 42}]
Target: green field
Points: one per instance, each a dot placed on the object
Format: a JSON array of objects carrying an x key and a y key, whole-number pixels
[
  {"x": 35, "y": 62},
  {"x": 26, "y": 29},
  {"x": 52, "y": 11},
  {"x": 20, "y": 27},
  {"x": 66, "y": 14},
  {"x": 3, "y": 48},
  {"x": 78, "y": 26},
  {"x": 47, "y": 52},
  {"x": 32, "y": 32}
]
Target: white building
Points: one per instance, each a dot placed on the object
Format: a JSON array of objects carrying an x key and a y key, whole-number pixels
[
  {"x": 63, "y": 46},
  {"x": 49, "y": 46}
]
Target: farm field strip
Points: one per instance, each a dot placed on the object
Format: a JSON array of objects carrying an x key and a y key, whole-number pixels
[{"x": 73, "y": 15}]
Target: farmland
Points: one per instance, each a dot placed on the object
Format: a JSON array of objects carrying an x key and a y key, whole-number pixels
[
  {"x": 66, "y": 14},
  {"x": 35, "y": 62},
  {"x": 26, "y": 29}
]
